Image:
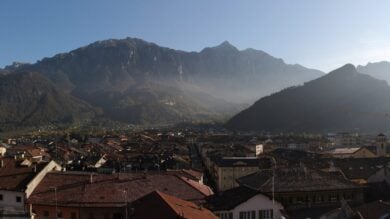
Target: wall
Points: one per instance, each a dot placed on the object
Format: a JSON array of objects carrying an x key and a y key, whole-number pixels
[
  {"x": 80, "y": 213},
  {"x": 9, "y": 201},
  {"x": 256, "y": 203},
  {"x": 38, "y": 178},
  {"x": 227, "y": 176},
  {"x": 66, "y": 212}
]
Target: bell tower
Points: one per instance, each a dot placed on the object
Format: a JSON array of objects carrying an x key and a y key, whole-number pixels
[{"x": 381, "y": 145}]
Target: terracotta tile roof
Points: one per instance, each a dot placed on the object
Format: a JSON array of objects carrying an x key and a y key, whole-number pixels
[
  {"x": 75, "y": 189},
  {"x": 197, "y": 174},
  {"x": 200, "y": 187},
  {"x": 169, "y": 207},
  {"x": 15, "y": 177}
]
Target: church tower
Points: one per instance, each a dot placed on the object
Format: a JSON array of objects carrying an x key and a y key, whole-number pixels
[{"x": 381, "y": 145}]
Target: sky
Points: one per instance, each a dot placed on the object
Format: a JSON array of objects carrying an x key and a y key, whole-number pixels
[{"x": 321, "y": 34}]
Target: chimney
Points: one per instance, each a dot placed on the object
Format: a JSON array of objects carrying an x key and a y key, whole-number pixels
[{"x": 90, "y": 178}]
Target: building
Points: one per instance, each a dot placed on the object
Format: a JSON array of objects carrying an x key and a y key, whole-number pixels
[
  {"x": 3, "y": 149},
  {"x": 79, "y": 195},
  {"x": 355, "y": 152},
  {"x": 256, "y": 148},
  {"x": 243, "y": 202},
  {"x": 226, "y": 170},
  {"x": 301, "y": 187},
  {"x": 373, "y": 210},
  {"x": 347, "y": 140},
  {"x": 157, "y": 205},
  {"x": 382, "y": 146},
  {"x": 361, "y": 170},
  {"x": 18, "y": 179}
]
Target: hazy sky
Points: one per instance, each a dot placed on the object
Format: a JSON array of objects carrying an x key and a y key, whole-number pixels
[{"x": 322, "y": 34}]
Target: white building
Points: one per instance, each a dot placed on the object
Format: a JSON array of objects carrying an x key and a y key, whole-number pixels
[
  {"x": 244, "y": 203},
  {"x": 18, "y": 180}
]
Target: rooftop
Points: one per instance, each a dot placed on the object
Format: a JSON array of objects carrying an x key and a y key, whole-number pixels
[
  {"x": 14, "y": 176},
  {"x": 169, "y": 206},
  {"x": 344, "y": 150},
  {"x": 299, "y": 179},
  {"x": 101, "y": 190},
  {"x": 242, "y": 161}
]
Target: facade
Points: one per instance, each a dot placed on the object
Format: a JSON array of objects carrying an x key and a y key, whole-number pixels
[
  {"x": 299, "y": 188},
  {"x": 18, "y": 179},
  {"x": 382, "y": 146},
  {"x": 227, "y": 170},
  {"x": 2, "y": 150},
  {"x": 242, "y": 202},
  {"x": 347, "y": 140}
]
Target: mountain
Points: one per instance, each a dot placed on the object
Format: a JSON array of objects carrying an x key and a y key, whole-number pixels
[
  {"x": 139, "y": 82},
  {"x": 380, "y": 70},
  {"x": 29, "y": 99},
  {"x": 343, "y": 100}
]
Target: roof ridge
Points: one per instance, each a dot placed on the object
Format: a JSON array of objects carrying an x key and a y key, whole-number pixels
[
  {"x": 184, "y": 179},
  {"x": 172, "y": 206}
]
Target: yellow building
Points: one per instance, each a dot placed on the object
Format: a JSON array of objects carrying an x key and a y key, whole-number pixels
[{"x": 226, "y": 170}]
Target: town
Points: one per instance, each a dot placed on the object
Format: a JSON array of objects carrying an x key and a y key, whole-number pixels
[
  {"x": 194, "y": 173},
  {"x": 199, "y": 109}
]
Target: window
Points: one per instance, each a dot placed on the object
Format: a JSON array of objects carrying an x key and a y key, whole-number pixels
[
  {"x": 225, "y": 215},
  {"x": 1, "y": 197},
  {"x": 45, "y": 215},
  {"x": 18, "y": 199},
  {"x": 247, "y": 214},
  {"x": 332, "y": 198},
  {"x": 266, "y": 214},
  {"x": 59, "y": 214}
]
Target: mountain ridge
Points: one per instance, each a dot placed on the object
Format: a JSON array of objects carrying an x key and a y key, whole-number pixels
[
  {"x": 145, "y": 83},
  {"x": 29, "y": 99},
  {"x": 342, "y": 100}
]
